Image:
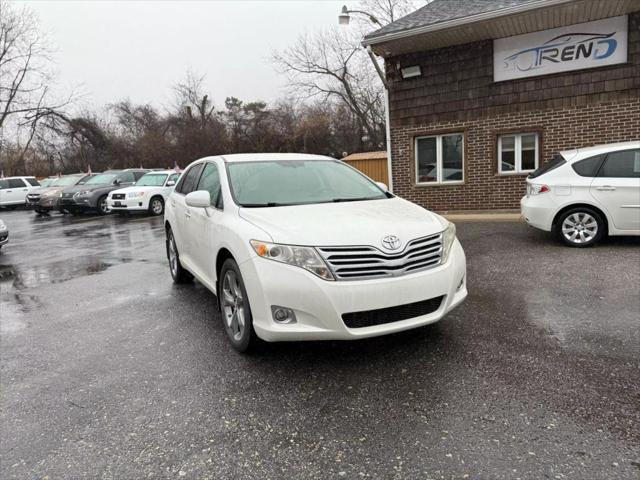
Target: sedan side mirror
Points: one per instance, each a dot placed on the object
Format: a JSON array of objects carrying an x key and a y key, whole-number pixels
[
  {"x": 116, "y": 182},
  {"x": 383, "y": 186},
  {"x": 170, "y": 183},
  {"x": 198, "y": 199}
]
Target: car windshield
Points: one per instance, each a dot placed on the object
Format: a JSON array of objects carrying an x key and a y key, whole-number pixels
[
  {"x": 552, "y": 164},
  {"x": 151, "y": 180},
  {"x": 102, "y": 179},
  {"x": 298, "y": 182},
  {"x": 47, "y": 182},
  {"x": 64, "y": 181}
]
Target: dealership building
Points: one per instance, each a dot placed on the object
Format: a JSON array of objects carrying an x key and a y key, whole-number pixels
[{"x": 482, "y": 92}]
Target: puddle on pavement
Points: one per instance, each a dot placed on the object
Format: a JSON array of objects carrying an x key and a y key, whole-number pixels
[
  {"x": 14, "y": 310},
  {"x": 29, "y": 276}
]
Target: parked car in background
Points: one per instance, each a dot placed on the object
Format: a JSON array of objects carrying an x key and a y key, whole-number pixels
[
  {"x": 586, "y": 193},
  {"x": 45, "y": 199},
  {"x": 14, "y": 190},
  {"x": 305, "y": 247},
  {"x": 4, "y": 233},
  {"x": 92, "y": 196},
  {"x": 148, "y": 194}
]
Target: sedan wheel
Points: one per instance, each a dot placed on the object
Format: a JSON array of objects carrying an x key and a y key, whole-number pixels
[
  {"x": 580, "y": 227},
  {"x": 103, "y": 207},
  {"x": 235, "y": 309},
  {"x": 156, "y": 207}
]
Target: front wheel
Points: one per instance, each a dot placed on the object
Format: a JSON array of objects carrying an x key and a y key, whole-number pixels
[
  {"x": 179, "y": 274},
  {"x": 580, "y": 227},
  {"x": 103, "y": 207},
  {"x": 156, "y": 206},
  {"x": 235, "y": 308}
]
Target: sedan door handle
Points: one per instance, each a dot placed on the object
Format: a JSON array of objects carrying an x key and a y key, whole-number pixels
[
  {"x": 187, "y": 214},
  {"x": 606, "y": 188}
]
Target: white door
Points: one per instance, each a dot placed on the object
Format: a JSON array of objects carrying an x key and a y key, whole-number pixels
[
  {"x": 204, "y": 225},
  {"x": 17, "y": 191},
  {"x": 617, "y": 188},
  {"x": 183, "y": 213}
]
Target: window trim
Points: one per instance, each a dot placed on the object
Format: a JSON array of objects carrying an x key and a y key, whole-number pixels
[
  {"x": 184, "y": 175},
  {"x": 438, "y": 137},
  {"x": 517, "y": 145},
  {"x": 221, "y": 195}
]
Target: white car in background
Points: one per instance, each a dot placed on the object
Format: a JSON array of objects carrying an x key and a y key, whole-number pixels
[
  {"x": 149, "y": 193},
  {"x": 586, "y": 193},
  {"x": 305, "y": 247},
  {"x": 14, "y": 190}
]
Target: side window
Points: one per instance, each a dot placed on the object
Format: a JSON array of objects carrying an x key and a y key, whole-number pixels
[
  {"x": 588, "y": 167},
  {"x": 625, "y": 164},
  {"x": 33, "y": 182},
  {"x": 126, "y": 177},
  {"x": 173, "y": 178},
  {"x": 16, "y": 183},
  {"x": 4, "y": 184},
  {"x": 210, "y": 181},
  {"x": 189, "y": 180}
]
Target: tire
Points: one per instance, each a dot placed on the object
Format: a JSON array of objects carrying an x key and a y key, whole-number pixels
[
  {"x": 156, "y": 206},
  {"x": 101, "y": 206},
  {"x": 580, "y": 227},
  {"x": 234, "y": 308},
  {"x": 179, "y": 274}
]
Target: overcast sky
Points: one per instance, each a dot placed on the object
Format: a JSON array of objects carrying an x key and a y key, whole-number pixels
[{"x": 113, "y": 50}]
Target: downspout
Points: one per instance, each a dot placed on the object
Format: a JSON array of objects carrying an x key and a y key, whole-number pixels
[{"x": 386, "y": 114}]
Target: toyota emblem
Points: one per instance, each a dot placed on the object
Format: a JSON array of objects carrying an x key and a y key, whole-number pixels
[{"x": 391, "y": 242}]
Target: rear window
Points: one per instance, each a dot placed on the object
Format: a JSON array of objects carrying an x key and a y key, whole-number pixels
[
  {"x": 588, "y": 167},
  {"x": 557, "y": 161}
]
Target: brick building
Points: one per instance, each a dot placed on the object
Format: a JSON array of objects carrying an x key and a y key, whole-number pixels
[{"x": 482, "y": 92}]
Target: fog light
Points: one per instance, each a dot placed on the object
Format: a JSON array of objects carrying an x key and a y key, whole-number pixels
[
  {"x": 283, "y": 315},
  {"x": 460, "y": 285}
]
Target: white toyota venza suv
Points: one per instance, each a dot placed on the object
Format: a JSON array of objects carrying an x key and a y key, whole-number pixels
[
  {"x": 586, "y": 193},
  {"x": 304, "y": 247}
]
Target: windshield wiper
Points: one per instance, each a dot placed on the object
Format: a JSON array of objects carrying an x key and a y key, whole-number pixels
[
  {"x": 263, "y": 205},
  {"x": 337, "y": 200}
]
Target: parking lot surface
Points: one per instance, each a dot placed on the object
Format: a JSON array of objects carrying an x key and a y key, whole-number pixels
[{"x": 108, "y": 370}]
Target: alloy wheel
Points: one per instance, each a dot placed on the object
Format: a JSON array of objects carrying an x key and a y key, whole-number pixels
[
  {"x": 104, "y": 208},
  {"x": 579, "y": 228},
  {"x": 156, "y": 207},
  {"x": 233, "y": 305},
  {"x": 173, "y": 256}
]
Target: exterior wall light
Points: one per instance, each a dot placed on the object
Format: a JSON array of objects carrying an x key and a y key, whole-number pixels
[{"x": 411, "y": 72}]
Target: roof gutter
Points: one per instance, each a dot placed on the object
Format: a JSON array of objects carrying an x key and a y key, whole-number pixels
[{"x": 458, "y": 22}]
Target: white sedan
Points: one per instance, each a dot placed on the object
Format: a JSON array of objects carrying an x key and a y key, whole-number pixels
[
  {"x": 304, "y": 247},
  {"x": 150, "y": 193},
  {"x": 586, "y": 193}
]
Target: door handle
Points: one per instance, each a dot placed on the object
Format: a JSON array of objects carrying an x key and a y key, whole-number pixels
[
  {"x": 606, "y": 188},
  {"x": 187, "y": 214}
]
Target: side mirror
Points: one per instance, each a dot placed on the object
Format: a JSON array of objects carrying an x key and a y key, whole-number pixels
[
  {"x": 198, "y": 199},
  {"x": 170, "y": 183},
  {"x": 116, "y": 182},
  {"x": 383, "y": 186}
]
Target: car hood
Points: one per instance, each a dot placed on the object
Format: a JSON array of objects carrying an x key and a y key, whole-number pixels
[
  {"x": 133, "y": 188},
  {"x": 90, "y": 188},
  {"x": 46, "y": 190},
  {"x": 348, "y": 223}
]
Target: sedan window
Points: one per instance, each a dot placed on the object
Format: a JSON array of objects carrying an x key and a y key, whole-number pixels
[
  {"x": 210, "y": 181},
  {"x": 189, "y": 180},
  {"x": 588, "y": 167}
]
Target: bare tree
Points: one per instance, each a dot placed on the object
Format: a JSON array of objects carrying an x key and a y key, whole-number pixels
[{"x": 332, "y": 64}]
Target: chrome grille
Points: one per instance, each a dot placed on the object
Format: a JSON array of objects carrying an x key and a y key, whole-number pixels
[
  {"x": 118, "y": 196},
  {"x": 358, "y": 262}
]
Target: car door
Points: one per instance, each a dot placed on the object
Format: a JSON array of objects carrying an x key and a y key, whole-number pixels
[
  {"x": 204, "y": 225},
  {"x": 182, "y": 212},
  {"x": 617, "y": 188},
  {"x": 4, "y": 186},
  {"x": 17, "y": 191}
]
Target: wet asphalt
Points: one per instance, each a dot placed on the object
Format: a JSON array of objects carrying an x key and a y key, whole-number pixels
[{"x": 108, "y": 370}]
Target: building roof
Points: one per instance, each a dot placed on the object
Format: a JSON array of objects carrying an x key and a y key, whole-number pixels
[
  {"x": 443, "y": 23},
  {"x": 439, "y": 11},
  {"x": 381, "y": 154}
]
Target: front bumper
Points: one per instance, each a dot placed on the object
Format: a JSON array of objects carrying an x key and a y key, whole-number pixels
[
  {"x": 127, "y": 204},
  {"x": 319, "y": 304},
  {"x": 43, "y": 203}
]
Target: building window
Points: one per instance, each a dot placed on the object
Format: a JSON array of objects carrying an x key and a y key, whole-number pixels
[
  {"x": 518, "y": 153},
  {"x": 439, "y": 159}
]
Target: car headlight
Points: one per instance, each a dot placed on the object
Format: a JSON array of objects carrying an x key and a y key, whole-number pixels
[
  {"x": 82, "y": 193},
  {"x": 448, "y": 237},
  {"x": 135, "y": 194},
  {"x": 303, "y": 257}
]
